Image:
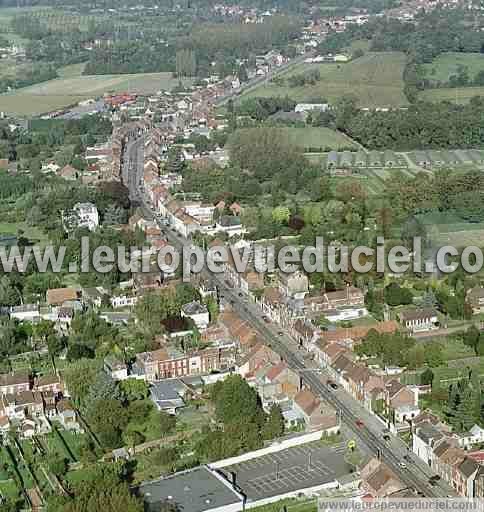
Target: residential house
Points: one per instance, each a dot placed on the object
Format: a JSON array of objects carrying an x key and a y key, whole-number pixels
[
  {"x": 83, "y": 215},
  {"x": 362, "y": 384},
  {"x": 464, "y": 476},
  {"x": 143, "y": 281},
  {"x": 446, "y": 457},
  {"x": 22, "y": 405},
  {"x": 240, "y": 331},
  {"x": 273, "y": 305},
  {"x": 287, "y": 380},
  {"x": 198, "y": 313},
  {"x": 50, "y": 410},
  {"x": 57, "y": 296},
  {"x": 350, "y": 296},
  {"x": 326, "y": 353},
  {"x": 166, "y": 395},
  {"x": 475, "y": 298},
  {"x": 123, "y": 300},
  {"x": 14, "y": 383},
  {"x": 260, "y": 355},
  {"x": 293, "y": 285},
  {"x": 25, "y": 313},
  {"x": 275, "y": 383},
  {"x": 94, "y": 296},
  {"x": 479, "y": 482},
  {"x": 379, "y": 480},
  {"x": 247, "y": 280},
  {"x": 305, "y": 333},
  {"x": 425, "y": 438},
  {"x": 418, "y": 320},
  {"x": 49, "y": 383},
  {"x": 339, "y": 369},
  {"x": 398, "y": 395},
  {"x": 115, "y": 368},
  {"x": 316, "y": 414},
  {"x": 168, "y": 363},
  {"x": 185, "y": 224},
  {"x": 230, "y": 224},
  {"x": 406, "y": 413},
  {"x": 69, "y": 173},
  {"x": 67, "y": 415},
  {"x": 27, "y": 429}
]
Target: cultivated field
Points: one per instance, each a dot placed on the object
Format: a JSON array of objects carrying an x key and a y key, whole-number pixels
[
  {"x": 459, "y": 95},
  {"x": 376, "y": 80},
  {"x": 447, "y": 64},
  {"x": 63, "y": 92}
]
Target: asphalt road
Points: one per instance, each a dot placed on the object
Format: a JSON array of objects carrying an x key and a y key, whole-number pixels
[{"x": 416, "y": 474}]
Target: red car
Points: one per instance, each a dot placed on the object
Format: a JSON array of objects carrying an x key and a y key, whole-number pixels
[{"x": 359, "y": 424}]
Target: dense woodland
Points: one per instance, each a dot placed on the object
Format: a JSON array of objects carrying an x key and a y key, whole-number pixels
[
  {"x": 422, "y": 126},
  {"x": 147, "y": 44}
]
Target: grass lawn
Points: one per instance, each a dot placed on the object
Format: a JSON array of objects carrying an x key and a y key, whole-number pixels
[
  {"x": 9, "y": 489},
  {"x": 452, "y": 230},
  {"x": 292, "y": 505},
  {"x": 149, "y": 426},
  {"x": 71, "y": 71},
  {"x": 373, "y": 185},
  {"x": 63, "y": 92},
  {"x": 76, "y": 476},
  {"x": 459, "y": 95},
  {"x": 454, "y": 348},
  {"x": 376, "y": 80},
  {"x": 372, "y": 181},
  {"x": 446, "y": 64},
  {"x": 323, "y": 138},
  {"x": 190, "y": 418},
  {"x": 54, "y": 444},
  {"x": 30, "y": 232}
]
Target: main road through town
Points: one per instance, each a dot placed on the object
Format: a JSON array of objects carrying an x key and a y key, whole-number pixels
[{"x": 370, "y": 430}]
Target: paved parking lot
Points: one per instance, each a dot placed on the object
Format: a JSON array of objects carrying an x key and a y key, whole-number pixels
[{"x": 289, "y": 470}]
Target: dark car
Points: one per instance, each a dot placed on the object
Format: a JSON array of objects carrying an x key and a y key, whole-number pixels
[{"x": 359, "y": 424}]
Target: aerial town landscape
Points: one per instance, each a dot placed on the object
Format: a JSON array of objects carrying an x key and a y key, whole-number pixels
[{"x": 248, "y": 129}]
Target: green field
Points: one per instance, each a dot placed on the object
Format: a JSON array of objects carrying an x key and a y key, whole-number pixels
[
  {"x": 450, "y": 229},
  {"x": 376, "y": 80},
  {"x": 32, "y": 233},
  {"x": 446, "y": 65},
  {"x": 62, "y": 92},
  {"x": 324, "y": 138},
  {"x": 71, "y": 71},
  {"x": 459, "y": 95}
]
